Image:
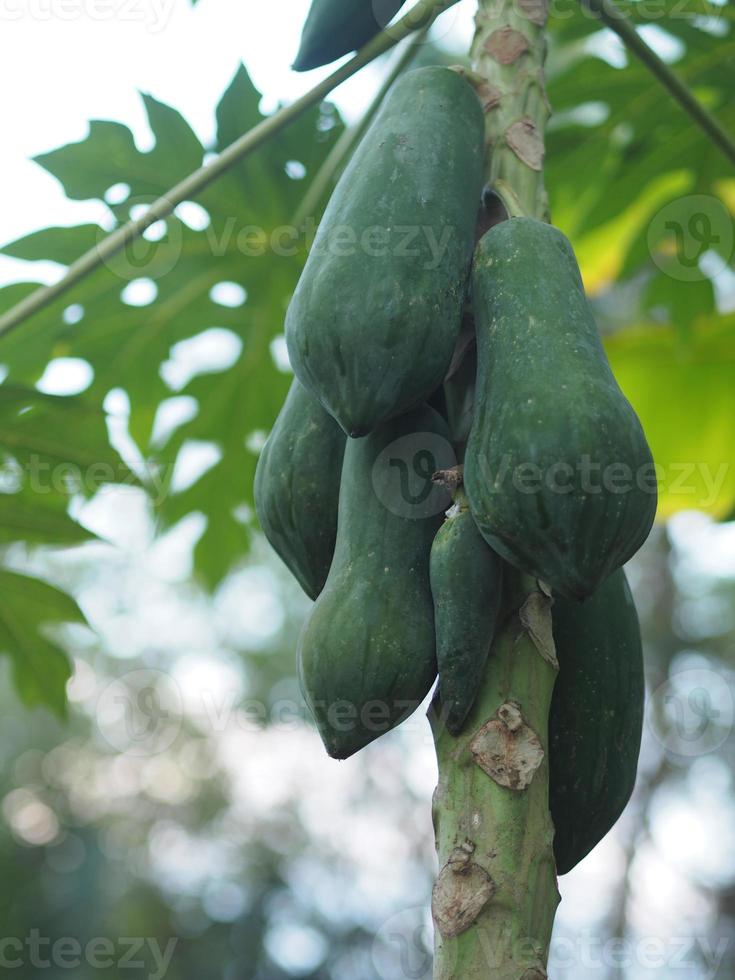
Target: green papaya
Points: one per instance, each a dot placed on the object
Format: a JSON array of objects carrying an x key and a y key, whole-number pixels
[
  {"x": 466, "y": 585},
  {"x": 459, "y": 396},
  {"x": 596, "y": 717},
  {"x": 367, "y": 651},
  {"x": 297, "y": 487},
  {"x": 558, "y": 473},
  {"x": 335, "y": 27},
  {"x": 373, "y": 322}
]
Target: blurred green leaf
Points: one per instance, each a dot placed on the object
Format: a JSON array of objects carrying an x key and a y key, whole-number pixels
[
  {"x": 618, "y": 126},
  {"x": 685, "y": 397},
  {"x": 26, "y": 517},
  {"x": 51, "y": 448},
  {"x": 682, "y": 304},
  {"x": 62, "y": 245},
  {"x": 40, "y": 667},
  {"x": 60, "y": 444}
]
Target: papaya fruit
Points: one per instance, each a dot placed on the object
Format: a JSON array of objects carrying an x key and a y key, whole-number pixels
[
  {"x": 335, "y": 27},
  {"x": 466, "y": 585},
  {"x": 596, "y": 717},
  {"x": 367, "y": 651},
  {"x": 297, "y": 487},
  {"x": 558, "y": 472},
  {"x": 373, "y": 322},
  {"x": 459, "y": 397}
]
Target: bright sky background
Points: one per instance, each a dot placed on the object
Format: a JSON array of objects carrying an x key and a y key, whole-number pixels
[{"x": 63, "y": 62}]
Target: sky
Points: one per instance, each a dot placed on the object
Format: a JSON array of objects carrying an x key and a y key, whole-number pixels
[{"x": 63, "y": 62}]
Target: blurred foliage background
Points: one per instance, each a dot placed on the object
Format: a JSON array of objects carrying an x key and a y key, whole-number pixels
[{"x": 159, "y": 777}]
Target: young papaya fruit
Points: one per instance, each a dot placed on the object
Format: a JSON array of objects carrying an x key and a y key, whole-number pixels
[
  {"x": 466, "y": 584},
  {"x": 373, "y": 322},
  {"x": 297, "y": 487},
  {"x": 367, "y": 651},
  {"x": 459, "y": 397},
  {"x": 596, "y": 717},
  {"x": 335, "y": 27},
  {"x": 558, "y": 473}
]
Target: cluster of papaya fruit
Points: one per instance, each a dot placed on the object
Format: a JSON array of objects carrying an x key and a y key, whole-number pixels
[{"x": 551, "y": 470}]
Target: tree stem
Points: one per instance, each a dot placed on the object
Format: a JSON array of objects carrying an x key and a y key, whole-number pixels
[
  {"x": 508, "y": 54},
  {"x": 495, "y": 898},
  {"x": 418, "y": 18}
]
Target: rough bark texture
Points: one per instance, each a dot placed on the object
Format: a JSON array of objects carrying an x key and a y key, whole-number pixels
[
  {"x": 495, "y": 897},
  {"x": 508, "y": 57}
]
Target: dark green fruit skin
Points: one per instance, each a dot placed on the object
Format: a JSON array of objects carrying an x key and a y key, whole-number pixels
[
  {"x": 372, "y": 325},
  {"x": 466, "y": 584},
  {"x": 335, "y": 27},
  {"x": 459, "y": 394},
  {"x": 596, "y": 717},
  {"x": 369, "y": 641},
  {"x": 297, "y": 487},
  {"x": 546, "y": 396}
]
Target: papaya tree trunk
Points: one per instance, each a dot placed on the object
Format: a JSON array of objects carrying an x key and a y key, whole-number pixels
[
  {"x": 494, "y": 900},
  {"x": 495, "y": 897}
]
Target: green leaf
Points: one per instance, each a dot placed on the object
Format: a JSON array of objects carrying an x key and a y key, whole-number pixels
[
  {"x": 60, "y": 444},
  {"x": 177, "y": 147},
  {"x": 40, "y": 667},
  {"x": 28, "y": 517},
  {"x": 249, "y": 241},
  {"x": 51, "y": 448},
  {"x": 62, "y": 245},
  {"x": 89, "y": 168},
  {"x": 642, "y": 134}
]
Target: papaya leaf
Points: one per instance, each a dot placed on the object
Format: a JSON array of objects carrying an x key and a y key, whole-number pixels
[
  {"x": 28, "y": 607},
  {"x": 51, "y": 449},
  {"x": 62, "y": 245},
  {"x": 57, "y": 446},
  {"x": 618, "y": 126},
  {"x": 226, "y": 263},
  {"x": 26, "y": 517}
]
